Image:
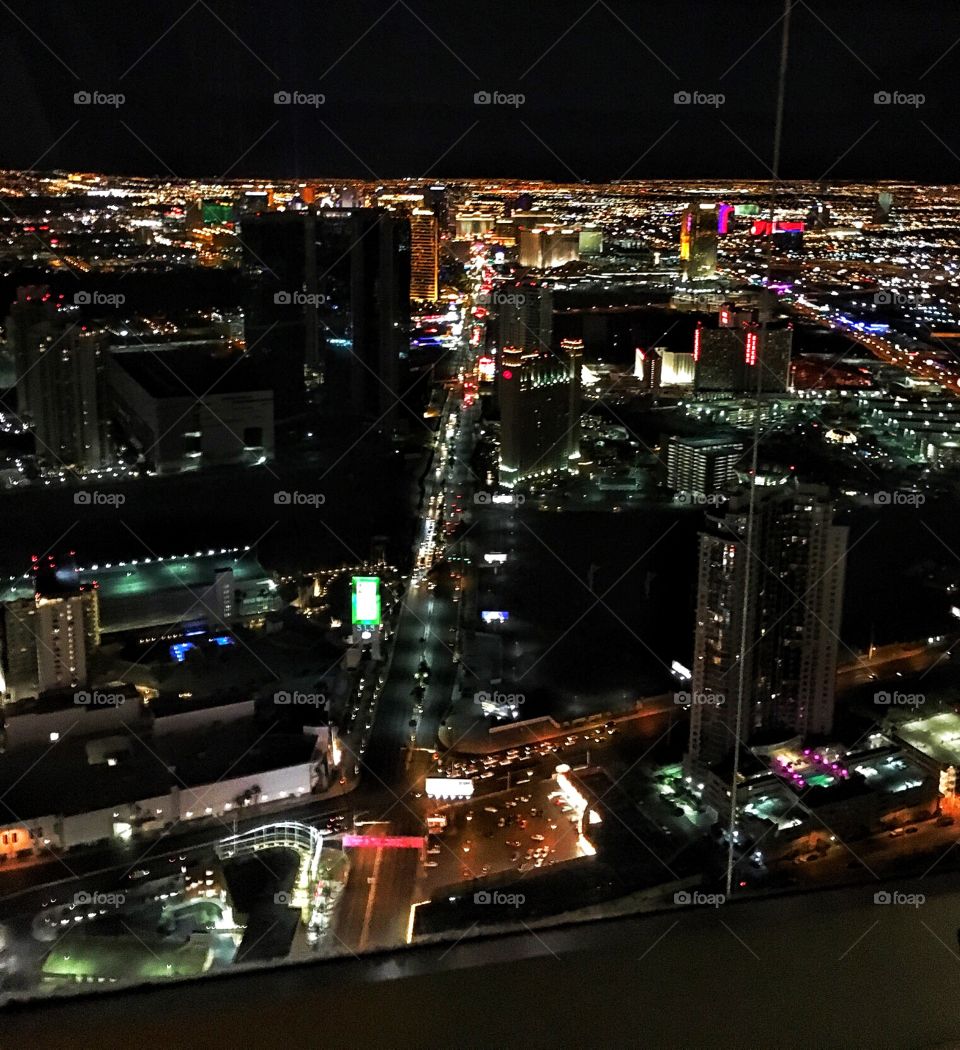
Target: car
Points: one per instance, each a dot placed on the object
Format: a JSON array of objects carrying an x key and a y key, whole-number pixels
[
  {"x": 536, "y": 838},
  {"x": 945, "y": 822},
  {"x": 142, "y": 873},
  {"x": 490, "y": 809},
  {"x": 433, "y": 851},
  {"x": 513, "y": 843},
  {"x": 431, "y": 864},
  {"x": 912, "y": 831}
]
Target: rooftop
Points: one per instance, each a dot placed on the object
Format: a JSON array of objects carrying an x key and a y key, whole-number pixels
[
  {"x": 189, "y": 369},
  {"x": 937, "y": 736}
]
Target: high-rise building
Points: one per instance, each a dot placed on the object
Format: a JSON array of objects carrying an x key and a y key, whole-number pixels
[
  {"x": 524, "y": 318},
  {"x": 56, "y": 365},
  {"x": 49, "y": 637},
  {"x": 437, "y": 200},
  {"x": 329, "y": 292},
  {"x": 768, "y": 616},
  {"x": 698, "y": 242},
  {"x": 739, "y": 356},
  {"x": 424, "y": 255},
  {"x": 701, "y": 465},
  {"x": 538, "y": 389},
  {"x": 545, "y": 248},
  {"x": 884, "y": 207},
  {"x": 677, "y": 368}
]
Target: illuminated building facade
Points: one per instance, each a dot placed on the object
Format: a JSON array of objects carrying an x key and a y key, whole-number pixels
[
  {"x": 698, "y": 242},
  {"x": 57, "y": 383},
  {"x": 545, "y": 248},
  {"x": 701, "y": 465},
  {"x": 424, "y": 255},
  {"x": 539, "y": 390},
  {"x": 48, "y": 641},
  {"x": 738, "y": 357},
  {"x": 783, "y": 598}
]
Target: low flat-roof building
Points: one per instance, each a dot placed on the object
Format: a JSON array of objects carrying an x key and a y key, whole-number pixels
[{"x": 190, "y": 405}]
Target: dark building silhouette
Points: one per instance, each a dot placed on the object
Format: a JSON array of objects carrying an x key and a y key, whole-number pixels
[{"x": 329, "y": 306}]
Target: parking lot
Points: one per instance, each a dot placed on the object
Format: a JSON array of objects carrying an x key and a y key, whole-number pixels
[{"x": 521, "y": 830}]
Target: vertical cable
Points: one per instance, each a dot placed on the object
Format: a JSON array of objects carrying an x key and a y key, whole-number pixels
[{"x": 747, "y": 547}]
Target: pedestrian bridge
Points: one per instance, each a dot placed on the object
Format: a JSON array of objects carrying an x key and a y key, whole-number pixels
[{"x": 303, "y": 839}]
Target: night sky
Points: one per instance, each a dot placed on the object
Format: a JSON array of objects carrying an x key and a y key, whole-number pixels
[{"x": 399, "y": 81}]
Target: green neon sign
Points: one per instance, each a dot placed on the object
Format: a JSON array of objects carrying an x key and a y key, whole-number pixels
[{"x": 365, "y": 601}]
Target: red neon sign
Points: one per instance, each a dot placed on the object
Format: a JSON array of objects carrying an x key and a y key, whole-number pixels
[
  {"x": 751, "y": 348},
  {"x": 697, "y": 336},
  {"x": 384, "y": 841}
]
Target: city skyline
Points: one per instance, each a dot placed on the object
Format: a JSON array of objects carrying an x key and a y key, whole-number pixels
[{"x": 496, "y": 528}]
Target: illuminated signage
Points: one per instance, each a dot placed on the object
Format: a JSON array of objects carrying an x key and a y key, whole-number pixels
[
  {"x": 448, "y": 787},
  {"x": 750, "y": 355},
  {"x": 494, "y": 616},
  {"x": 679, "y": 671},
  {"x": 384, "y": 841},
  {"x": 365, "y": 601},
  {"x": 494, "y": 558}
]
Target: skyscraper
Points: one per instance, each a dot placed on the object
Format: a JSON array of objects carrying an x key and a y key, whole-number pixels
[
  {"x": 57, "y": 379},
  {"x": 524, "y": 318},
  {"x": 329, "y": 291},
  {"x": 767, "y": 616},
  {"x": 698, "y": 242},
  {"x": 424, "y": 255},
  {"x": 48, "y": 638},
  {"x": 538, "y": 389},
  {"x": 737, "y": 356}
]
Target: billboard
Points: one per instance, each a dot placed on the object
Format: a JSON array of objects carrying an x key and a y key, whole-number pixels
[
  {"x": 365, "y": 601},
  {"x": 448, "y": 787}
]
